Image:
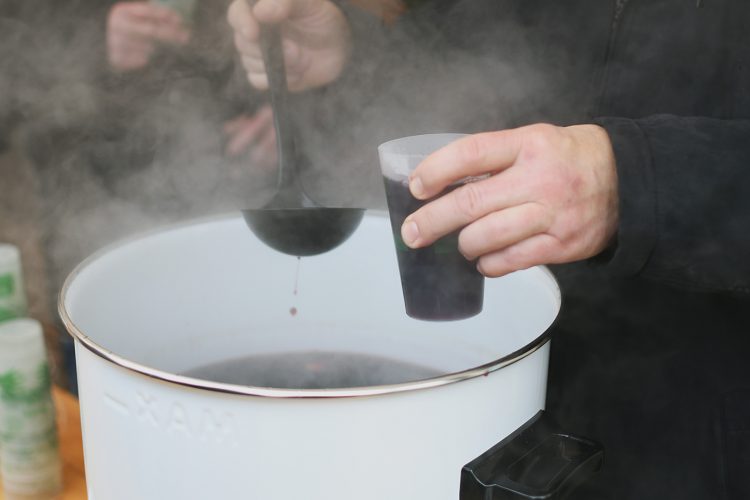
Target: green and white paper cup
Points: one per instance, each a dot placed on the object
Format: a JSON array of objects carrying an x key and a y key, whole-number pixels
[
  {"x": 29, "y": 450},
  {"x": 12, "y": 294}
]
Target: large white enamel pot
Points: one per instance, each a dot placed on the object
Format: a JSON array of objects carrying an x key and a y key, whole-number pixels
[{"x": 147, "y": 310}]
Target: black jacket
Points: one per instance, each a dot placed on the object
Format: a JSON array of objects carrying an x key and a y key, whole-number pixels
[
  {"x": 651, "y": 350},
  {"x": 650, "y": 353}
]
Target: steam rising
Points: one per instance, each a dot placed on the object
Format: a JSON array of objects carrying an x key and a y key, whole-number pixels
[
  {"x": 445, "y": 67},
  {"x": 108, "y": 165}
]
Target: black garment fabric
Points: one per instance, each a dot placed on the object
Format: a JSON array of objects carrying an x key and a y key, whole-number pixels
[
  {"x": 655, "y": 343},
  {"x": 650, "y": 352}
]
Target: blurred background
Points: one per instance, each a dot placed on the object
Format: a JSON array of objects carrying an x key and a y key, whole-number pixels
[{"x": 104, "y": 133}]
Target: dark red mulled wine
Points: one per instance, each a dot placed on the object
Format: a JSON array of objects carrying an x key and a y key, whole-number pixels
[
  {"x": 437, "y": 281},
  {"x": 313, "y": 370}
]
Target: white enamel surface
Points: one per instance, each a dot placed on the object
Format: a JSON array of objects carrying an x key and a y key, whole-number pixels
[{"x": 207, "y": 292}]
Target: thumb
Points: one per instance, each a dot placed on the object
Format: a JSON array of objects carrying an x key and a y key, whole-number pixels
[{"x": 272, "y": 11}]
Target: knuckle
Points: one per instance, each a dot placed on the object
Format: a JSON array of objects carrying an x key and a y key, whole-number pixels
[
  {"x": 259, "y": 81},
  {"x": 116, "y": 20},
  {"x": 469, "y": 200},
  {"x": 540, "y": 136},
  {"x": 428, "y": 223},
  {"x": 250, "y": 67},
  {"x": 498, "y": 229},
  {"x": 513, "y": 258},
  {"x": 466, "y": 245},
  {"x": 517, "y": 258},
  {"x": 470, "y": 150},
  {"x": 242, "y": 46},
  {"x": 539, "y": 217},
  {"x": 233, "y": 14}
]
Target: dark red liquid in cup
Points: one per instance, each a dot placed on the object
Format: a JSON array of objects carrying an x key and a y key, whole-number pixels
[{"x": 437, "y": 281}]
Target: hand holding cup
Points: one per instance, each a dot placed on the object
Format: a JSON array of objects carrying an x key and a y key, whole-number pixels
[
  {"x": 134, "y": 29},
  {"x": 438, "y": 283},
  {"x": 551, "y": 197}
]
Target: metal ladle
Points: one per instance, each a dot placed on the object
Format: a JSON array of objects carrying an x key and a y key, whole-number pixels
[{"x": 291, "y": 222}]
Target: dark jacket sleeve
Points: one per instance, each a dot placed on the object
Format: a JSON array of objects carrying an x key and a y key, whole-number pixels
[{"x": 684, "y": 187}]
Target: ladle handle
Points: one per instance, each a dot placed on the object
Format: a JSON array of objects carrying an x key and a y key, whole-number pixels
[{"x": 273, "y": 59}]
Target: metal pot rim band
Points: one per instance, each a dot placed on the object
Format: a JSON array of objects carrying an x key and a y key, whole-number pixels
[{"x": 244, "y": 390}]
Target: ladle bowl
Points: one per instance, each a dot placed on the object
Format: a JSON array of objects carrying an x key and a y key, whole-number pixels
[
  {"x": 291, "y": 222},
  {"x": 303, "y": 231}
]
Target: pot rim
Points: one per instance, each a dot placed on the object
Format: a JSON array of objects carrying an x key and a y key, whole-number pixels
[{"x": 267, "y": 392}]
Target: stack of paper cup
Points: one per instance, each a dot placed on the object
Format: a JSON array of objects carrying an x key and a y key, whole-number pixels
[
  {"x": 12, "y": 295},
  {"x": 29, "y": 451}
]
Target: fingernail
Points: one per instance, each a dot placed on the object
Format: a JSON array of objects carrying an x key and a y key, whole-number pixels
[
  {"x": 416, "y": 187},
  {"x": 410, "y": 232},
  {"x": 479, "y": 267}
]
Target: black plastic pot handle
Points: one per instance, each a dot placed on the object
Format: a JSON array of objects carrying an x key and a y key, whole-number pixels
[{"x": 538, "y": 461}]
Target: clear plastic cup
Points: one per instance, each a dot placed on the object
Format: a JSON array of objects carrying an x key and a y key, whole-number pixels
[{"x": 438, "y": 282}]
